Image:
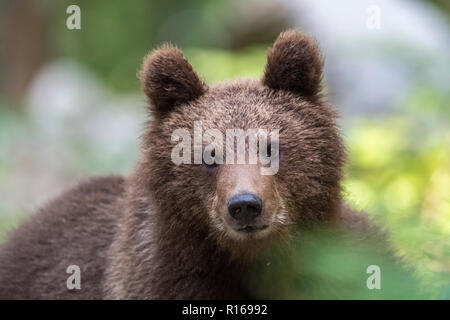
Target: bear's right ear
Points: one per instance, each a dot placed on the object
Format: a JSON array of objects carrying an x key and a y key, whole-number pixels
[{"x": 168, "y": 79}]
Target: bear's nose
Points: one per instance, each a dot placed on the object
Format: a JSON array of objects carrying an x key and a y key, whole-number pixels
[{"x": 245, "y": 207}]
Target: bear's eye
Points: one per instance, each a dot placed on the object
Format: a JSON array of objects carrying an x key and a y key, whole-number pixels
[{"x": 213, "y": 166}]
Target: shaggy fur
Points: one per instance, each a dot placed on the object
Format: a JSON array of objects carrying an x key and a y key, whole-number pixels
[
  {"x": 74, "y": 229},
  {"x": 163, "y": 233},
  {"x": 294, "y": 64},
  {"x": 168, "y": 79}
]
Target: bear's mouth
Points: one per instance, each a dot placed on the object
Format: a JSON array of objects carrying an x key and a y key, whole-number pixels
[{"x": 250, "y": 228}]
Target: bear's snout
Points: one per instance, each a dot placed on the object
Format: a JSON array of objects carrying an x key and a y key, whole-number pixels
[{"x": 245, "y": 207}]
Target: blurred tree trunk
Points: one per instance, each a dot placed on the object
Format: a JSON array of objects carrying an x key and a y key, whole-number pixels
[{"x": 24, "y": 34}]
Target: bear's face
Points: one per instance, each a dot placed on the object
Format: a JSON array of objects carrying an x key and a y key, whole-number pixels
[{"x": 291, "y": 153}]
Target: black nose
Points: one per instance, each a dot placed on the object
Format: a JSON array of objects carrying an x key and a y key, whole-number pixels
[{"x": 245, "y": 207}]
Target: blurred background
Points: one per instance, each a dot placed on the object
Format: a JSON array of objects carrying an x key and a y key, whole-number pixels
[{"x": 71, "y": 104}]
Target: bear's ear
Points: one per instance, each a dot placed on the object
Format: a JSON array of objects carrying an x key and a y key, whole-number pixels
[
  {"x": 168, "y": 79},
  {"x": 294, "y": 63}
]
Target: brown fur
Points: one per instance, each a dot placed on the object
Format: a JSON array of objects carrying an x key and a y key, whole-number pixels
[
  {"x": 74, "y": 229},
  {"x": 294, "y": 64},
  {"x": 168, "y": 79},
  {"x": 163, "y": 232}
]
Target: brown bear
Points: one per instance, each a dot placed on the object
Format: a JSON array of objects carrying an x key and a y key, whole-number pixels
[{"x": 193, "y": 231}]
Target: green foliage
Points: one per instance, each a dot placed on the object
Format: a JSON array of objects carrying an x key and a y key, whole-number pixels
[
  {"x": 115, "y": 35},
  {"x": 331, "y": 264},
  {"x": 217, "y": 65},
  {"x": 400, "y": 174}
]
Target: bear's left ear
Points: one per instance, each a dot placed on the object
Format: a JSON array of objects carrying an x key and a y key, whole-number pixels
[
  {"x": 294, "y": 64},
  {"x": 168, "y": 79}
]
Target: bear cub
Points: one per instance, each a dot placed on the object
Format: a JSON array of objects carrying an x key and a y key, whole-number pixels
[{"x": 194, "y": 230}]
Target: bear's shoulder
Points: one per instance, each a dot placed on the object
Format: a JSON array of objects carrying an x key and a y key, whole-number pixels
[{"x": 76, "y": 228}]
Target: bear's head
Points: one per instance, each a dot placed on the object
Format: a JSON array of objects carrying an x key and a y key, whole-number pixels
[{"x": 197, "y": 164}]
